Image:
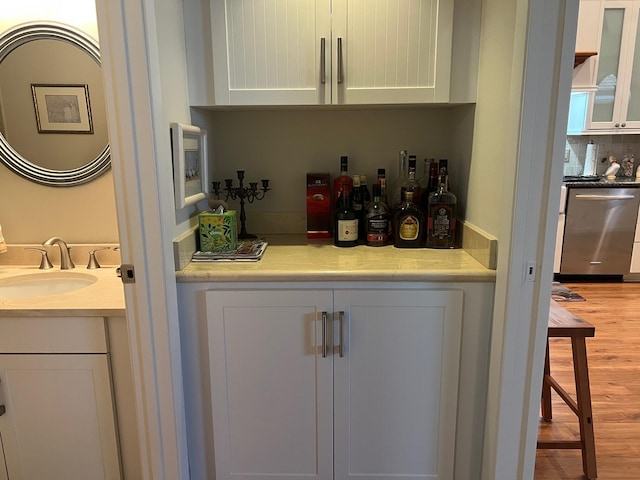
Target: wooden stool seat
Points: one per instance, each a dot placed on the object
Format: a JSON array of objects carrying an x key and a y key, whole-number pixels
[{"x": 563, "y": 323}]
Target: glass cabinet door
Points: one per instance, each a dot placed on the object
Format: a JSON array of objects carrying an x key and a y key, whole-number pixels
[
  {"x": 615, "y": 105},
  {"x": 604, "y": 99},
  {"x": 632, "y": 102}
]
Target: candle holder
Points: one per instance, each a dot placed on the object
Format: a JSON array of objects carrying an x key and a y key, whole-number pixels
[{"x": 243, "y": 193}]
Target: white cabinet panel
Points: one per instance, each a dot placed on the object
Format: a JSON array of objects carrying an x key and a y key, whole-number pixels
[
  {"x": 635, "y": 259},
  {"x": 279, "y": 391},
  {"x": 588, "y": 40},
  {"x": 59, "y": 421},
  {"x": 309, "y": 52},
  {"x": 396, "y": 385},
  {"x": 271, "y": 389}
]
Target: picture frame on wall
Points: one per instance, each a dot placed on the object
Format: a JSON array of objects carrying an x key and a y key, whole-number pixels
[
  {"x": 189, "y": 148},
  {"x": 62, "y": 108}
]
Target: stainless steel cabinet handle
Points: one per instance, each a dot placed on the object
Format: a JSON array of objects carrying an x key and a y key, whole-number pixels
[
  {"x": 3, "y": 410},
  {"x": 323, "y": 64},
  {"x": 605, "y": 197},
  {"x": 341, "y": 324},
  {"x": 340, "y": 77},
  {"x": 324, "y": 334}
]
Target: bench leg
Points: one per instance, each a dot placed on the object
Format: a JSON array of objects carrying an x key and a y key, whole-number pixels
[
  {"x": 547, "y": 414},
  {"x": 585, "y": 418}
]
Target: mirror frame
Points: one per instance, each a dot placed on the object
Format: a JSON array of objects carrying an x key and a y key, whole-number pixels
[{"x": 9, "y": 41}]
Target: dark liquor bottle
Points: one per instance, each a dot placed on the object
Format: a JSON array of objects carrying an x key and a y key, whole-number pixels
[
  {"x": 377, "y": 220},
  {"x": 342, "y": 179},
  {"x": 401, "y": 178},
  {"x": 345, "y": 221},
  {"x": 358, "y": 205},
  {"x": 382, "y": 181},
  {"x": 366, "y": 196},
  {"x": 408, "y": 224},
  {"x": 411, "y": 184},
  {"x": 430, "y": 184},
  {"x": 441, "y": 222}
]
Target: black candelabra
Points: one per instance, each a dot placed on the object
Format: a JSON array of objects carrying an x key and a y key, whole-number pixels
[{"x": 242, "y": 192}]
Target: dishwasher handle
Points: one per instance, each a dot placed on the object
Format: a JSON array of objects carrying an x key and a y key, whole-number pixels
[{"x": 605, "y": 197}]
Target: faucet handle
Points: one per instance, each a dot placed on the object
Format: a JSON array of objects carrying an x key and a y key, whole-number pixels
[
  {"x": 45, "y": 263},
  {"x": 93, "y": 262}
]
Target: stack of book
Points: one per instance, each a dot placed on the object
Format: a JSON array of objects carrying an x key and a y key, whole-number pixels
[{"x": 247, "y": 251}]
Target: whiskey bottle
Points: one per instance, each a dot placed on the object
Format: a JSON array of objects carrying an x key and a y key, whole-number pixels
[
  {"x": 345, "y": 221},
  {"x": 408, "y": 224},
  {"x": 410, "y": 184},
  {"x": 441, "y": 222},
  {"x": 377, "y": 220}
]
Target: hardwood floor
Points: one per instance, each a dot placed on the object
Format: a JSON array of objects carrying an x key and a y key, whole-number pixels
[{"x": 614, "y": 372}]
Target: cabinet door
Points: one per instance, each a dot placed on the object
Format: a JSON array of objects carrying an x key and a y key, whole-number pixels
[
  {"x": 271, "y": 387},
  {"x": 396, "y": 385},
  {"x": 391, "y": 51},
  {"x": 271, "y": 52},
  {"x": 609, "y": 103},
  {"x": 4, "y": 475},
  {"x": 587, "y": 40},
  {"x": 632, "y": 92},
  {"x": 59, "y": 420}
]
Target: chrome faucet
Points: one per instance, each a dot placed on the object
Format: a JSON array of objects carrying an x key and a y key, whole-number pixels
[{"x": 65, "y": 258}]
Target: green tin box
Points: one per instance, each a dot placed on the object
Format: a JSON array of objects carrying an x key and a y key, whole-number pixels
[{"x": 218, "y": 231}]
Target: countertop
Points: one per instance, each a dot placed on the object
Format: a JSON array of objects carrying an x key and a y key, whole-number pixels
[
  {"x": 629, "y": 182},
  {"x": 318, "y": 262},
  {"x": 103, "y": 298}
]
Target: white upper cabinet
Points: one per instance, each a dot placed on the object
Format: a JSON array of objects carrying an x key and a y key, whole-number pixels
[
  {"x": 614, "y": 105},
  {"x": 322, "y": 52},
  {"x": 588, "y": 41}
]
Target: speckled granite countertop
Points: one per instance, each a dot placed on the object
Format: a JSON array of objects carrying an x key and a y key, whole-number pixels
[
  {"x": 604, "y": 183},
  {"x": 103, "y": 298},
  {"x": 325, "y": 262}
]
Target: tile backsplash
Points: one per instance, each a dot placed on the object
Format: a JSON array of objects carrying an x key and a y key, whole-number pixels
[{"x": 619, "y": 146}]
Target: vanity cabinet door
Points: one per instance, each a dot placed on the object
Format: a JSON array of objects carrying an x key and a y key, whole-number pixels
[
  {"x": 271, "y": 386},
  {"x": 396, "y": 384},
  {"x": 59, "y": 420}
]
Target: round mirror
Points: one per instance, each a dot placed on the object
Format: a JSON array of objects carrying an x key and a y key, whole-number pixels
[{"x": 53, "y": 123}]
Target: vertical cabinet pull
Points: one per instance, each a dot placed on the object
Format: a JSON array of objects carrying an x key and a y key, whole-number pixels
[
  {"x": 341, "y": 325},
  {"x": 3, "y": 410},
  {"x": 340, "y": 76},
  {"x": 324, "y": 334},
  {"x": 323, "y": 64}
]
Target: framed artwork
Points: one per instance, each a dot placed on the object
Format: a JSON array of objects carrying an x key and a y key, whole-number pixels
[
  {"x": 189, "y": 145},
  {"x": 62, "y": 108}
]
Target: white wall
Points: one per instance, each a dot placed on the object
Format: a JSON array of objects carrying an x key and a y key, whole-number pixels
[{"x": 29, "y": 212}]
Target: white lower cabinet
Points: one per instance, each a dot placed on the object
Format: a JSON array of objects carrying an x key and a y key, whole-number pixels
[
  {"x": 57, "y": 411},
  {"x": 334, "y": 383}
]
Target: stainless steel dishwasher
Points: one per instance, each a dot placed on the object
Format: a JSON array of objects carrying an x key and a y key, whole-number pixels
[{"x": 599, "y": 230}]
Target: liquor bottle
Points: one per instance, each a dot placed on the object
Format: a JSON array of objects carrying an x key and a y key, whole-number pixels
[
  {"x": 441, "y": 222},
  {"x": 382, "y": 181},
  {"x": 408, "y": 224},
  {"x": 358, "y": 205},
  {"x": 401, "y": 177},
  {"x": 366, "y": 196},
  {"x": 345, "y": 221},
  {"x": 377, "y": 220},
  {"x": 342, "y": 179},
  {"x": 411, "y": 184},
  {"x": 431, "y": 183}
]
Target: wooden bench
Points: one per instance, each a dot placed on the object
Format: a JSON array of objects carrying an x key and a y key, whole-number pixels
[{"x": 563, "y": 323}]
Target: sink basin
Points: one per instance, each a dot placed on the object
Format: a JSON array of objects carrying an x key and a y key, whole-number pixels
[{"x": 43, "y": 284}]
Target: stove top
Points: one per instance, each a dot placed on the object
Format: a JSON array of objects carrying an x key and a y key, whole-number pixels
[{"x": 581, "y": 178}]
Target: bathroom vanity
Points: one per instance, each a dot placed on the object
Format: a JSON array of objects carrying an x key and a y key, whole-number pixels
[{"x": 66, "y": 389}]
